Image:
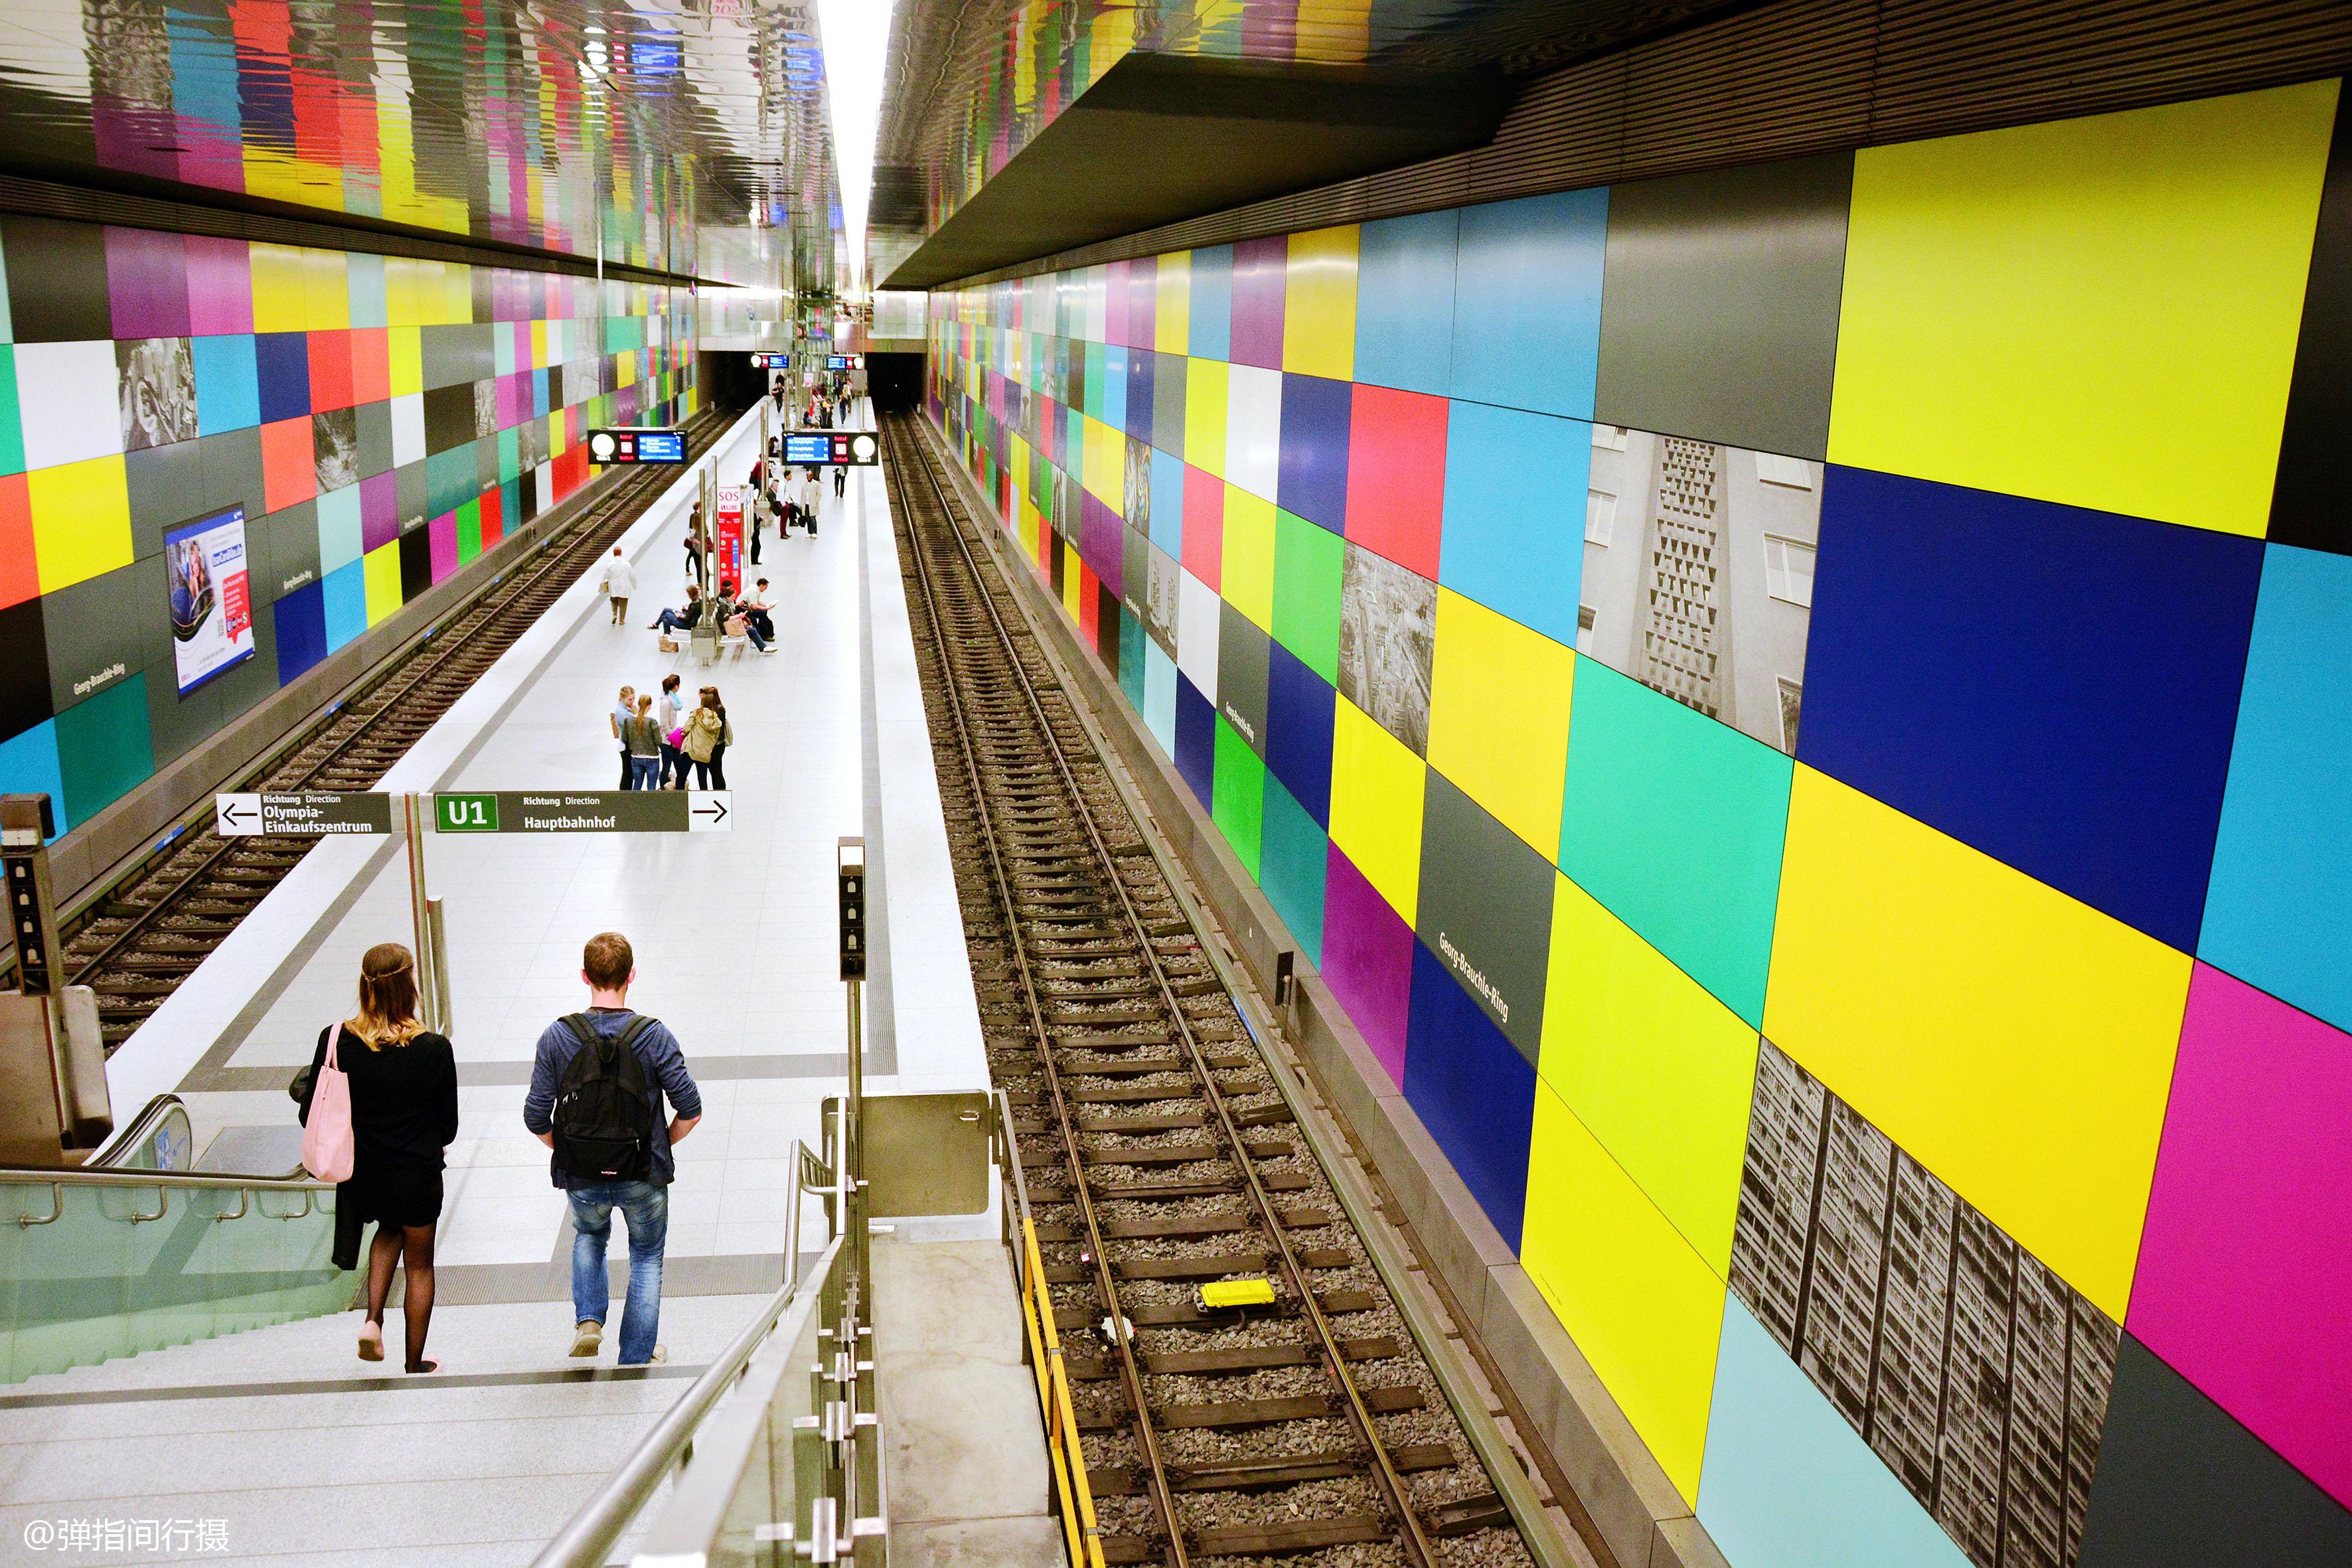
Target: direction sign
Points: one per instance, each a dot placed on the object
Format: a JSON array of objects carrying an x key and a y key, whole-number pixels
[
  {"x": 309, "y": 814},
  {"x": 585, "y": 811}
]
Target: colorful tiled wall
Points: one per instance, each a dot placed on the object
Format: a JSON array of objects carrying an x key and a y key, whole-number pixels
[
  {"x": 1806, "y": 713},
  {"x": 382, "y": 421}
]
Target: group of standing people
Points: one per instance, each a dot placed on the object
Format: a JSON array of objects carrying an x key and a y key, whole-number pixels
[
  {"x": 600, "y": 1080},
  {"x": 660, "y": 738}
]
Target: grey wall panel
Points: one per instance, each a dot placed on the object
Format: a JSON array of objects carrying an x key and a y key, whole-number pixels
[
  {"x": 374, "y": 421},
  {"x": 96, "y": 631},
  {"x": 161, "y": 480},
  {"x": 1485, "y": 909},
  {"x": 291, "y": 542},
  {"x": 1244, "y": 656},
  {"x": 1764, "y": 249},
  {"x": 2182, "y": 1485},
  {"x": 177, "y": 724},
  {"x": 232, "y": 477}
]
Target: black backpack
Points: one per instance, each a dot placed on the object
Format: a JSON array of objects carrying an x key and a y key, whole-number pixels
[{"x": 605, "y": 1109}]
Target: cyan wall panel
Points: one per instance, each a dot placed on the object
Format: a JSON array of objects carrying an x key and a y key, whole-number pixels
[
  {"x": 1514, "y": 519},
  {"x": 2055, "y": 686},
  {"x": 1292, "y": 852},
  {"x": 2280, "y": 905},
  {"x": 1788, "y": 1484},
  {"x": 1720, "y": 308},
  {"x": 1526, "y": 317},
  {"x": 1676, "y": 824},
  {"x": 1472, "y": 1091},
  {"x": 1405, "y": 302},
  {"x": 1212, "y": 318}
]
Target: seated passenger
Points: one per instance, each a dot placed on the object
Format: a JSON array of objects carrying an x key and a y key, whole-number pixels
[
  {"x": 671, "y": 620},
  {"x": 758, "y": 611}
]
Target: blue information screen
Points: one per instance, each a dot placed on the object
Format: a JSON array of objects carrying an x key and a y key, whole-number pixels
[
  {"x": 836, "y": 361},
  {"x": 808, "y": 447},
  {"x": 661, "y": 447}
]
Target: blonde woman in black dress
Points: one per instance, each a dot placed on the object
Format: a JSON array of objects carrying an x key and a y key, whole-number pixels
[{"x": 404, "y": 1083}]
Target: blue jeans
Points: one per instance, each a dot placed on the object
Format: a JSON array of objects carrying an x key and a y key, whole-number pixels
[
  {"x": 645, "y": 772},
  {"x": 645, "y": 1207},
  {"x": 668, "y": 620}
]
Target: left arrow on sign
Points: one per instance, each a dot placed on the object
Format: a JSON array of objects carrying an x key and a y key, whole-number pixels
[{"x": 236, "y": 815}]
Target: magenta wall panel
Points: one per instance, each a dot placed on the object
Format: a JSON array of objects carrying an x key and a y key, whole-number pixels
[
  {"x": 220, "y": 286},
  {"x": 1367, "y": 961},
  {"x": 2245, "y": 1271}
]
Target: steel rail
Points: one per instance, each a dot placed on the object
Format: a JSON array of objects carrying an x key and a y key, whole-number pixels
[
  {"x": 1410, "y": 1537},
  {"x": 485, "y": 611},
  {"x": 1122, "y": 1330}
]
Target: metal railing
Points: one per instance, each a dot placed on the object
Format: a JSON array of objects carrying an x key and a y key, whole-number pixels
[
  {"x": 774, "y": 1456},
  {"x": 117, "y": 1258},
  {"x": 1041, "y": 1348}
]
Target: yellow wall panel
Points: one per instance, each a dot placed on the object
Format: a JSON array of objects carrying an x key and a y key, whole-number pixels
[
  {"x": 1318, "y": 314},
  {"x": 281, "y": 302},
  {"x": 1643, "y": 1308},
  {"x": 2017, "y": 1043},
  {"x": 1657, "y": 1069},
  {"x": 82, "y": 521},
  {"x": 400, "y": 291},
  {"x": 1172, "y": 321},
  {"x": 1071, "y": 576},
  {"x": 1377, "y": 789},
  {"x": 381, "y": 575},
  {"x": 1498, "y": 700},
  {"x": 1246, "y": 579},
  {"x": 327, "y": 291},
  {"x": 2043, "y": 310},
  {"x": 1104, "y": 460},
  {"x": 406, "y": 346},
  {"x": 1204, "y": 414}
]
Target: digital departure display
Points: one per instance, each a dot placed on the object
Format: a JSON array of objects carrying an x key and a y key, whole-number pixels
[
  {"x": 611, "y": 447},
  {"x": 771, "y": 361},
  {"x": 808, "y": 449}
]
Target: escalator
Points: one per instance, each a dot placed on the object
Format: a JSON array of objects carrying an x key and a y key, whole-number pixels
[{"x": 141, "y": 1248}]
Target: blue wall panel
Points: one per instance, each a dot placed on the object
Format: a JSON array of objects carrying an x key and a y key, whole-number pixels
[
  {"x": 2054, "y": 686},
  {"x": 1527, "y": 313}
]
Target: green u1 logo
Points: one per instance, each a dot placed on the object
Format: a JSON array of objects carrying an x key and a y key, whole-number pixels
[{"x": 465, "y": 812}]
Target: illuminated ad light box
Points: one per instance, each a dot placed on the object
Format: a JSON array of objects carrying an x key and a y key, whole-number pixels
[
  {"x": 611, "y": 447},
  {"x": 858, "y": 449},
  {"x": 211, "y": 596}
]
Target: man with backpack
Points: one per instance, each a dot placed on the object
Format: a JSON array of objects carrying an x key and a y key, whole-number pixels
[{"x": 595, "y": 1098}]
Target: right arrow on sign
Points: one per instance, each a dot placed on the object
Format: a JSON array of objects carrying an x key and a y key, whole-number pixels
[{"x": 706, "y": 811}]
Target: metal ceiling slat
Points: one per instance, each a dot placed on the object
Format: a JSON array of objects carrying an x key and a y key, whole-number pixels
[{"x": 1811, "y": 76}]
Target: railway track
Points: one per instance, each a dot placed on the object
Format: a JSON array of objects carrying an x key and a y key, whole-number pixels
[
  {"x": 1159, "y": 1154},
  {"x": 135, "y": 943}
]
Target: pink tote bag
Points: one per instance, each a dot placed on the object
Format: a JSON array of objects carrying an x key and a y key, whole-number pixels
[{"x": 327, "y": 1150}]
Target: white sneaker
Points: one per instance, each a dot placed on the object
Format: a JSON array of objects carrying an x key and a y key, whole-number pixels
[
  {"x": 587, "y": 1339},
  {"x": 661, "y": 1353}
]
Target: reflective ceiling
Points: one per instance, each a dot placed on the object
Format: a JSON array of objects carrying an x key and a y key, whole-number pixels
[
  {"x": 683, "y": 135},
  {"x": 972, "y": 83}
]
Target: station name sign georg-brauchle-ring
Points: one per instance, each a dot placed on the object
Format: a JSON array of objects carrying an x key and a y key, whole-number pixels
[{"x": 321, "y": 813}]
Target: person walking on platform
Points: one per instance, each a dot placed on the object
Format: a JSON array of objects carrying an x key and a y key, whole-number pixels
[
  {"x": 403, "y": 1107},
  {"x": 707, "y": 736},
  {"x": 597, "y": 1084},
  {"x": 620, "y": 582},
  {"x": 840, "y": 480},
  {"x": 623, "y": 711},
  {"x": 697, "y": 564},
  {"x": 644, "y": 744},
  {"x": 667, "y": 714}
]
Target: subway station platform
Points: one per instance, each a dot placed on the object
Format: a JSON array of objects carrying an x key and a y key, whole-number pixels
[{"x": 310, "y": 1456}]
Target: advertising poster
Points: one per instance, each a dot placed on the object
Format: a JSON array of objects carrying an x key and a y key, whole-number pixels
[
  {"x": 211, "y": 596},
  {"x": 728, "y": 534}
]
